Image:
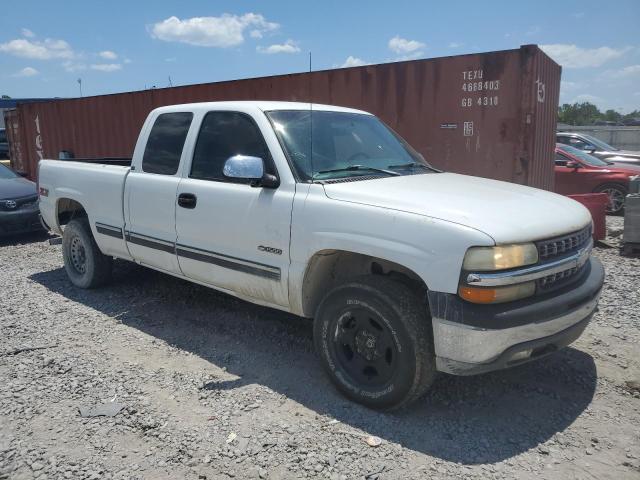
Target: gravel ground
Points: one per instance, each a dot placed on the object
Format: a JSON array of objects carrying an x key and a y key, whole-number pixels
[{"x": 213, "y": 387}]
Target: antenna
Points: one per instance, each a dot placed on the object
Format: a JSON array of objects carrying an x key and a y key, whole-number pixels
[
  {"x": 170, "y": 82},
  {"x": 310, "y": 119}
]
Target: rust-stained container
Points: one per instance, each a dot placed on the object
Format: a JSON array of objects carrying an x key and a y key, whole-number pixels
[{"x": 489, "y": 114}]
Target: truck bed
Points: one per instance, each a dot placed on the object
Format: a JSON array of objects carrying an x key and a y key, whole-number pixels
[{"x": 99, "y": 187}]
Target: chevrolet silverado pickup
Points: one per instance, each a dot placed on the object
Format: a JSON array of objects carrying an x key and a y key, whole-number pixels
[{"x": 327, "y": 213}]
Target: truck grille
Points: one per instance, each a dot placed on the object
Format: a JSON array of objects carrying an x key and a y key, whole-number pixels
[
  {"x": 560, "y": 247},
  {"x": 564, "y": 245}
]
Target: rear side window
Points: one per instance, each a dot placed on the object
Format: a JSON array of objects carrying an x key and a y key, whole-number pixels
[
  {"x": 223, "y": 135},
  {"x": 165, "y": 143}
]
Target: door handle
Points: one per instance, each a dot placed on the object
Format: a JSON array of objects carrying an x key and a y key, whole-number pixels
[{"x": 187, "y": 200}]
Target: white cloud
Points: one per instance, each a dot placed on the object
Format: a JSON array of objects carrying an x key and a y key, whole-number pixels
[
  {"x": 352, "y": 62},
  {"x": 403, "y": 46},
  {"x": 572, "y": 56},
  {"x": 26, "y": 72},
  {"x": 27, "y": 33},
  {"x": 46, "y": 50},
  {"x": 223, "y": 31},
  {"x": 586, "y": 97},
  {"x": 623, "y": 73},
  {"x": 106, "y": 67},
  {"x": 287, "y": 47},
  {"x": 170, "y": 59},
  {"x": 578, "y": 15},
  {"x": 567, "y": 86},
  {"x": 108, "y": 55},
  {"x": 456, "y": 45},
  {"x": 70, "y": 66}
]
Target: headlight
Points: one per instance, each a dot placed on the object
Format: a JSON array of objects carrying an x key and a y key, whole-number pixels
[
  {"x": 497, "y": 294},
  {"x": 500, "y": 257}
]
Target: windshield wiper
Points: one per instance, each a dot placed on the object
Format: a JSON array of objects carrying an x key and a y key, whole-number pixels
[
  {"x": 415, "y": 164},
  {"x": 353, "y": 168}
]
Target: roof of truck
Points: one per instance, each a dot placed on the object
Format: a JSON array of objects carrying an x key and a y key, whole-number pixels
[{"x": 263, "y": 105}]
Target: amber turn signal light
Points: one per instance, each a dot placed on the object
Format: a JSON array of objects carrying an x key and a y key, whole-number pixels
[{"x": 496, "y": 295}]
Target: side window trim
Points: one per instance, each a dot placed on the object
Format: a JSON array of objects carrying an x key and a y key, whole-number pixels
[{"x": 269, "y": 162}]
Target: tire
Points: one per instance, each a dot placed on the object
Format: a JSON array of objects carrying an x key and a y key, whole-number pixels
[
  {"x": 85, "y": 264},
  {"x": 375, "y": 340},
  {"x": 617, "y": 194}
]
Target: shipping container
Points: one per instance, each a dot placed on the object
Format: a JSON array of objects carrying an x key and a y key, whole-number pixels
[{"x": 488, "y": 114}]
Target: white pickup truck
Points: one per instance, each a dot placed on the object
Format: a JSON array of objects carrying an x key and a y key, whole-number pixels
[{"x": 325, "y": 212}]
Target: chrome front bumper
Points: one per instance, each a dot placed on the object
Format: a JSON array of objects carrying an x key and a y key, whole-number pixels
[{"x": 464, "y": 346}]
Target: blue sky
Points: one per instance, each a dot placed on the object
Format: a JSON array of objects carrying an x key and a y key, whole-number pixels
[{"x": 115, "y": 46}]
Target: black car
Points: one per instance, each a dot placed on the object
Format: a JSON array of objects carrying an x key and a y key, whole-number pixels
[
  {"x": 19, "y": 210},
  {"x": 4, "y": 144},
  {"x": 598, "y": 148}
]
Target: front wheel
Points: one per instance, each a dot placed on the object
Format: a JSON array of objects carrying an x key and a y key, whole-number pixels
[
  {"x": 86, "y": 265},
  {"x": 617, "y": 194},
  {"x": 374, "y": 338}
]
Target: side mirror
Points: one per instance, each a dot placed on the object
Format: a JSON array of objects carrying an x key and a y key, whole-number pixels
[
  {"x": 572, "y": 164},
  {"x": 589, "y": 148},
  {"x": 245, "y": 167}
]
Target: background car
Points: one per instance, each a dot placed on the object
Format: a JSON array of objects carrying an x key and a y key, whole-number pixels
[
  {"x": 577, "y": 171},
  {"x": 19, "y": 210},
  {"x": 597, "y": 147}
]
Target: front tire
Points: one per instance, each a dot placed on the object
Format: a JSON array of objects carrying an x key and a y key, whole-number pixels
[
  {"x": 85, "y": 264},
  {"x": 617, "y": 194},
  {"x": 375, "y": 341}
]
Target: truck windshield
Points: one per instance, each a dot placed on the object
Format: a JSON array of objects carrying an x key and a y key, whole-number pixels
[{"x": 343, "y": 145}]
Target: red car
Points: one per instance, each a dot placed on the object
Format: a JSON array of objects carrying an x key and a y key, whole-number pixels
[{"x": 580, "y": 172}]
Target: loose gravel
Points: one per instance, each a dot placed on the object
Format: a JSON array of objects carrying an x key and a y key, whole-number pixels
[{"x": 205, "y": 386}]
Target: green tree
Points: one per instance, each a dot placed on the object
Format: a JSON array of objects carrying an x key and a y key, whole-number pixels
[
  {"x": 584, "y": 113},
  {"x": 612, "y": 116}
]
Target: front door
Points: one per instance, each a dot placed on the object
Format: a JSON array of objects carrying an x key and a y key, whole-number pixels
[
  {"x": 568, "y": 180},
  {"x": 231, "y": 235},
  {"x": 150, "y": 194}
]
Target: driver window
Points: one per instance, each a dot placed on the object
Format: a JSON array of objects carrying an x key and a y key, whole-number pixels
[{"x": 223, "y": 135}]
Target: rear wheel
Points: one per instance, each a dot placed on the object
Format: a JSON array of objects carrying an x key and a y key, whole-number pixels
[
  {"x": 84, "y": 263},
  {"x": 374, "y": 338},
  {"x": 617, "y": 194}
]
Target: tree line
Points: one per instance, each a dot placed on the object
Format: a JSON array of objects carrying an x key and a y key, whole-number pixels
[{"x": 586, "y": 113}]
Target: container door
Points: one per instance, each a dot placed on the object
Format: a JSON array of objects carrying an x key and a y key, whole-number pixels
[
  {"x": 150, "y": 194},
  {"x": 231, "y": 235}
]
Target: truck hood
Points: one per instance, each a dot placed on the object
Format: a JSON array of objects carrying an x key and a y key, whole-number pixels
[{"x": 505, "y": 211}]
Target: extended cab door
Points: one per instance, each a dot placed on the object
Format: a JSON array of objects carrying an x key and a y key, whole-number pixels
[
  {"x": 231, "y": 235},
  {"x": 150, "y": 193}
]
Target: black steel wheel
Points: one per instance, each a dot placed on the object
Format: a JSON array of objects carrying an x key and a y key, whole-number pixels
[
  {"x": 374, "y": 338},
  {"x": 85, "y": 264}
]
